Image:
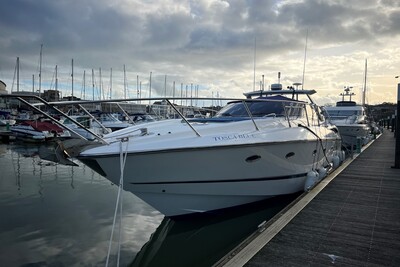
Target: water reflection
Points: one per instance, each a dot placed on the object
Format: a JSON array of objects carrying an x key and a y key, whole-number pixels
[
  {"x": 203, "y": 240},
  {"x": 55, "y": 215}
]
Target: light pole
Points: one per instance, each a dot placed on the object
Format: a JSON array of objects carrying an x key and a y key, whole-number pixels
[{"x": 397, "y": 134}]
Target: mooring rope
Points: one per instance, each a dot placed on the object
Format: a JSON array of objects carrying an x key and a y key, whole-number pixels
[{"x": 122, "y": 160}]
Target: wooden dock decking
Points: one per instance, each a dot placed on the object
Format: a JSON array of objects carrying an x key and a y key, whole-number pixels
[{"x": 353, "y": 221}]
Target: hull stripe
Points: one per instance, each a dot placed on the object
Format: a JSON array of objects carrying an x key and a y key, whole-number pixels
[{"x": 226, "y": 181}]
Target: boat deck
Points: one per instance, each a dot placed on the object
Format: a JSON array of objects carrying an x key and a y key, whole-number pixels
[{"x": 352, "y": 219}]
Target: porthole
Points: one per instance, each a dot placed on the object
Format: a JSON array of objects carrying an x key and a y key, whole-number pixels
[
  {"x": 289, "y": 155},
  {"x": 253, "y": 158}
]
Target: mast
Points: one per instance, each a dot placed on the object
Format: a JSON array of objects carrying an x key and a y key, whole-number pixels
[
  {"x": 140, "y": 91},
  {"x": 33, "y": 83},
  {"x": 110, "y": 83},
  {"x": 56, "y": 82},
  {"x": 304, "y": 64},
  {"x": 124, "y": 82},
  {"x": 84, "y": 84},
  {"x": 72, "y": 84},
  {"x": 72, "y": 79},
  {"x": 137, "y": 86},
  {"x": 150, "y": 88},
  {"x": 254, "y": 72},
  {"x": 93, "y": 82},
  {"x": 182, "y": 96},
  {"x": 17, "y": 74},
  {"x": 191, "y": 94},
  {"x": 40, "y": 69},
  {"x": 173, "y": 92},
  {"x": 165, "y": 86},
  {"x": 101, "y": 86},
  {"x": 365, "y": 85}
]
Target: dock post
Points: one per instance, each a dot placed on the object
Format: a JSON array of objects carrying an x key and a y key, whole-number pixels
[{"x": 397, "y": 119}]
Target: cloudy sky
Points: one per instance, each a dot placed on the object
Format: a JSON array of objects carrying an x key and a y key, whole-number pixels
[{"x": 211, "y": 45}]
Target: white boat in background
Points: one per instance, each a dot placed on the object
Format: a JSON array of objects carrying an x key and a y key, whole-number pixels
[
  {"x": 89, "y": 123},
  {"x": 6, "y": 122},
  {"x": 5, "y": 119},
  {"x": 139, "y": 118},
  {"x": 111, "y": 121},
  {"x": 38, "y": 131},
  {"x": 351, "y": 120},
  {"x": 253, "y": 149}
]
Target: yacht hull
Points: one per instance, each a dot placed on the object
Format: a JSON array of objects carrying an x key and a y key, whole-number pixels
[
  {"x": 351, "y": 132},
  {"x": 183, "y": 181}
]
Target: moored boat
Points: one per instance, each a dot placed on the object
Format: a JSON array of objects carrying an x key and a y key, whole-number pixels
[
  {"x": 111, "y": 121},
  {"x": 251, "y": 150},
  {"x": 88, "y": 123},
  {"x": 38, "y": 131},
  {"x": 351, "y": 120},
  {"x": 6, "y": 119}
]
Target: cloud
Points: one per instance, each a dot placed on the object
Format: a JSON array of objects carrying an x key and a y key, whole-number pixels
[{"x": 208, "y": 42}]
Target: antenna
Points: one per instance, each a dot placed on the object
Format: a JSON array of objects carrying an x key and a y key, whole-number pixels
[{"x": 304, "y": 64}]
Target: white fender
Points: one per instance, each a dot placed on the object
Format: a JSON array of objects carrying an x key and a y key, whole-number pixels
[
  {"x": 335, "y": 161},
  {"x": 322, "y": 173},
  {"x": 311, "y": 180}
]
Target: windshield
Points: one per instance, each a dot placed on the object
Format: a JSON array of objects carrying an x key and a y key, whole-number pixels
[
  {"x": 342, "y": 113},
  {"x": 259, "y": 109}
]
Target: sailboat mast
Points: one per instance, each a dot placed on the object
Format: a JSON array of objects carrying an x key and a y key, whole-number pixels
[
  {"x": 101, "y": 85},
  {"x": 165, "y": 86},
  {"x": 33, "y": 83},
  {"x": 365, "y": 84},
  {"x": 304, "y": 64},
  {"x": 84, "y": 84},
  {"x": 72, "y": 79},
  {"x": 150, "y": 88},
  {"x": 72, "y": 84},
  {"x": 137, "y": 86},
  {"x": 56, "y": 82},
  {"x": 124, "y": 82},
  {"x": 40, "y": 69},
  {"x": 17, "y": 74},
  {"x": 110, "y": 83},
  {"x": 93, "y": 82},
  {"x": 254, "y": 72}
]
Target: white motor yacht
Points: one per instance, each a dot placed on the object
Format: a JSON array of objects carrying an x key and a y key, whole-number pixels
[
  {"x": 351, "y": 120},
  {"x": 253, "y": 149}
]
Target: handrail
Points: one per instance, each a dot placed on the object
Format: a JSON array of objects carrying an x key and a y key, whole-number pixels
[
  {"x": 183, "y": 117},
  {"x": 19, "y": 97},
  {"x": 250, "y": 115},
  {"x": 126, "y": 114},
  {"x": 286, "y": 108},
  {"x": 93, "y": 118},
  {"x": 49, "y": 117}
]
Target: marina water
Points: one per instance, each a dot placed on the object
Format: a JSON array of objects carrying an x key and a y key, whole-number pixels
[{"x": 57, "y": 215}]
